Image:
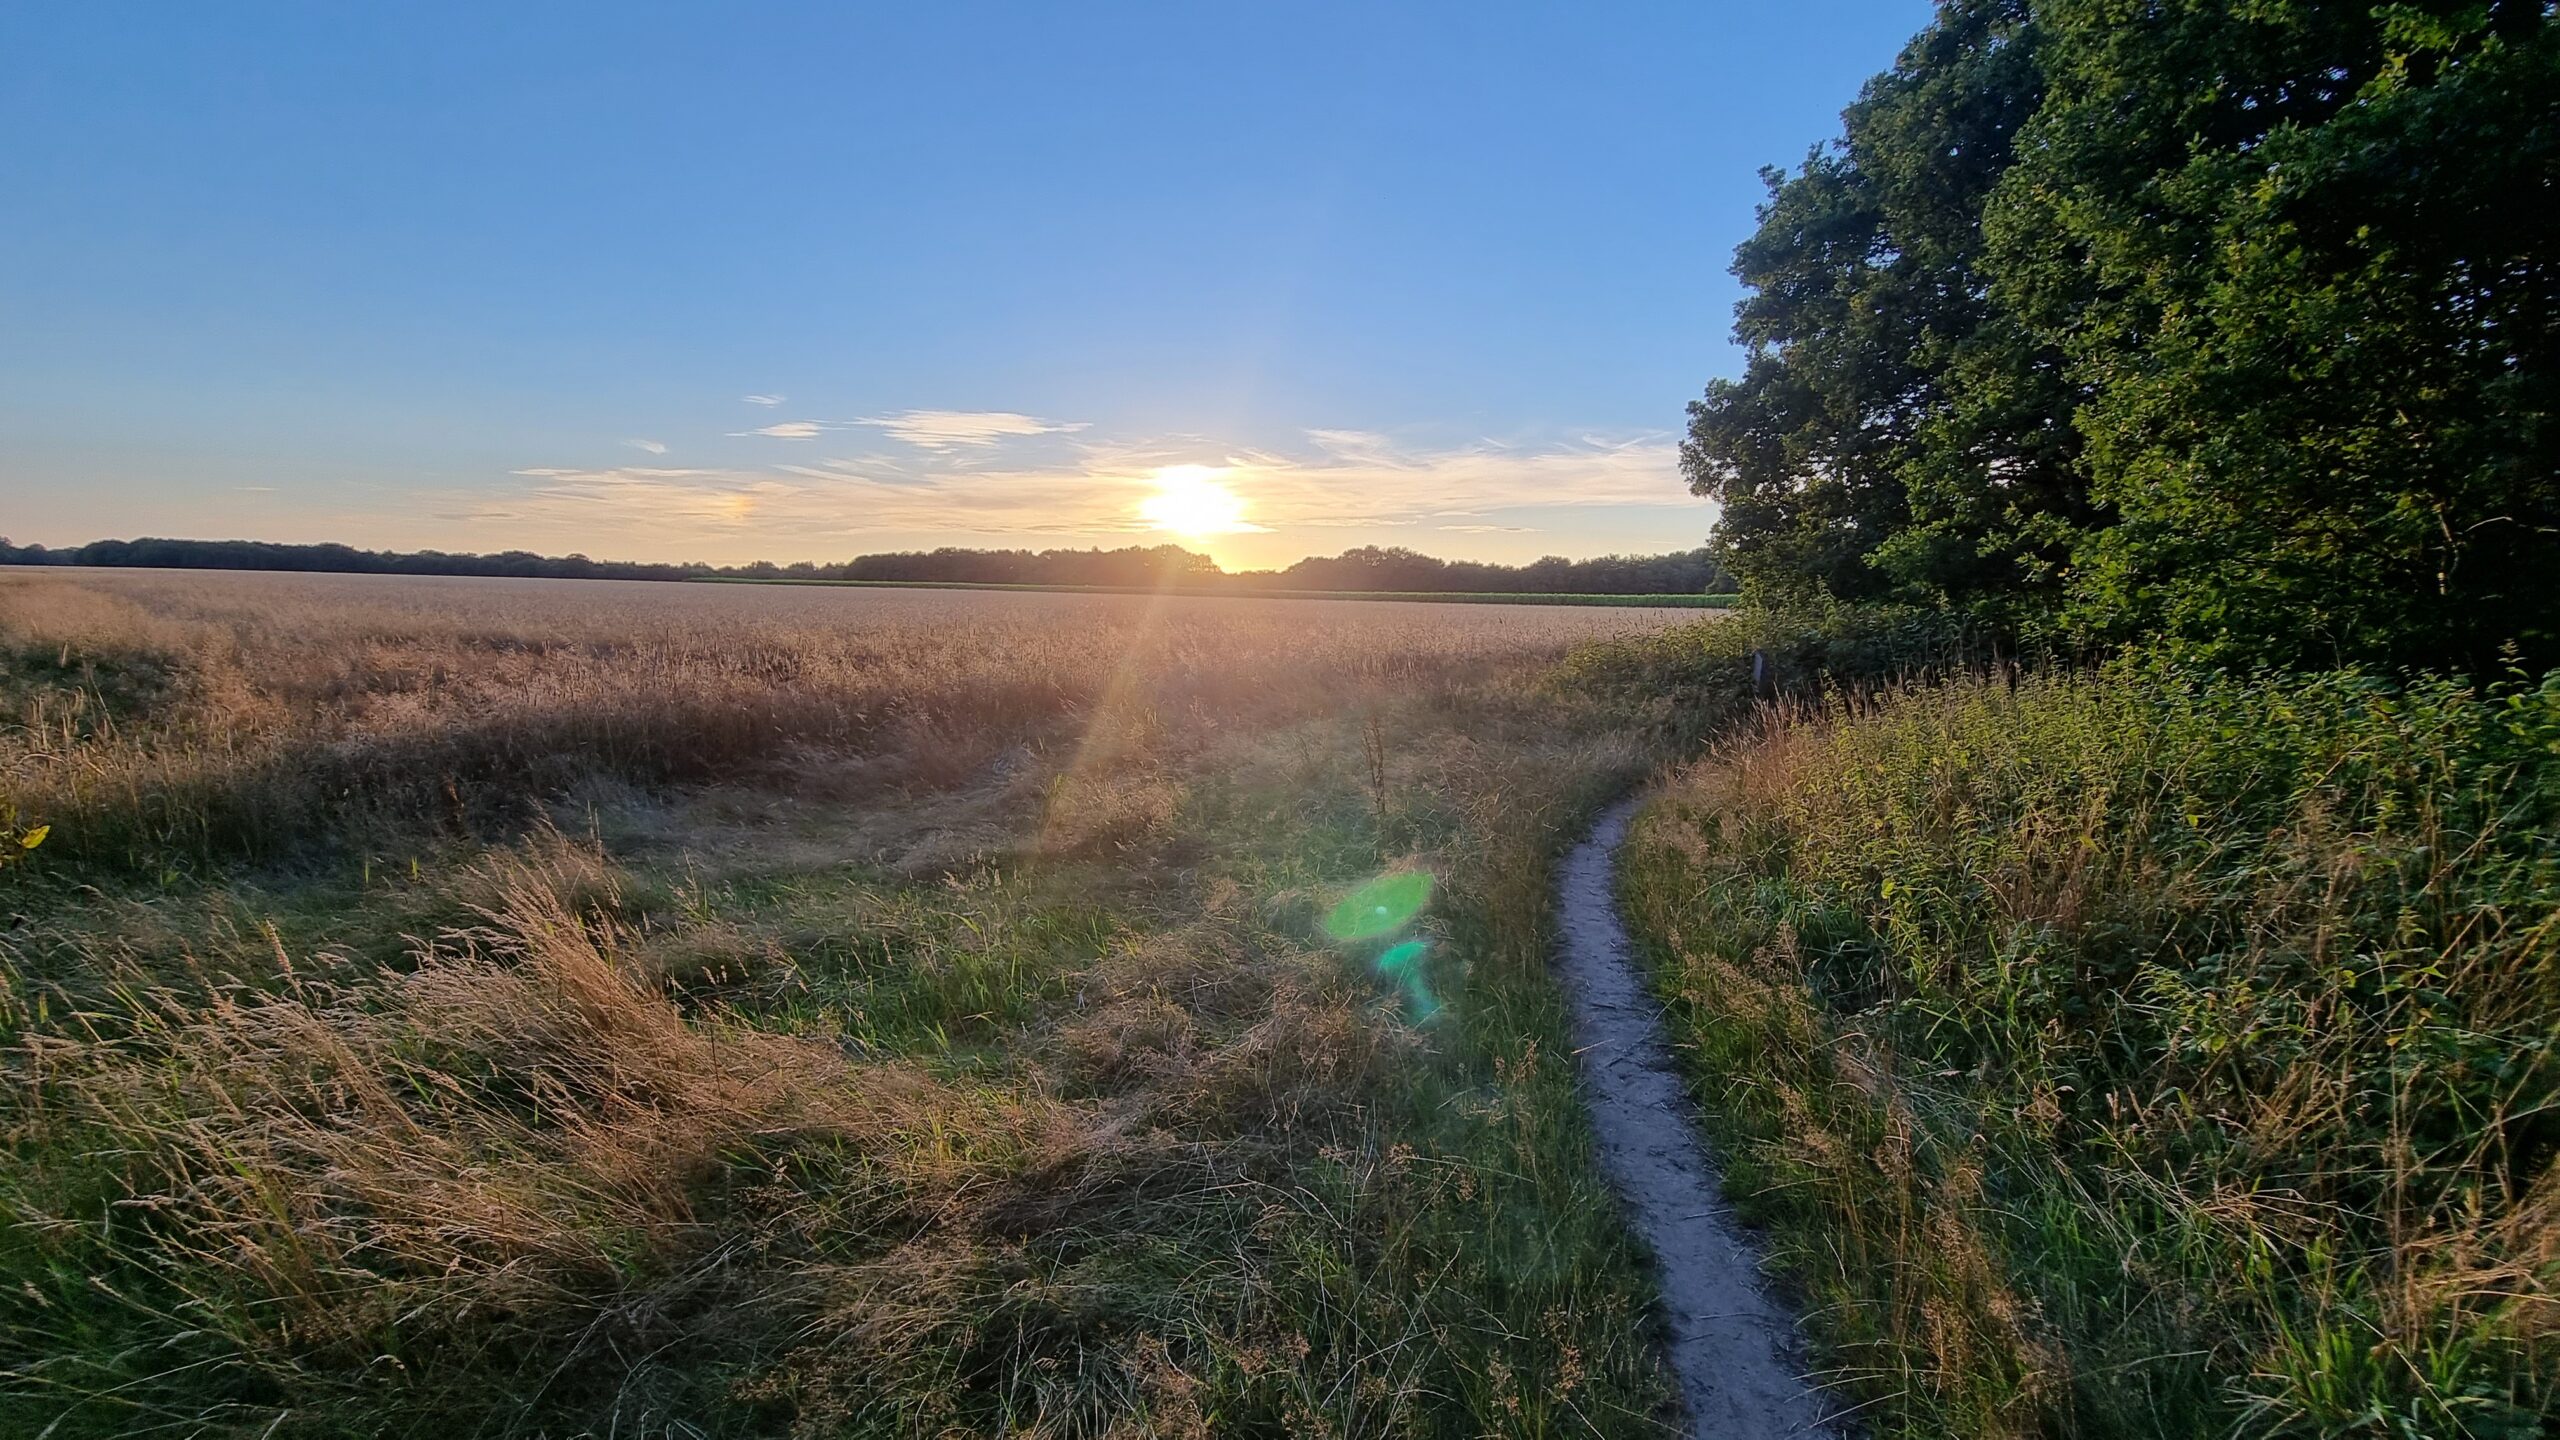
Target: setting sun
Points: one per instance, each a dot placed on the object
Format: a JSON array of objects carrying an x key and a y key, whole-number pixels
[{"x": 1192, "y": 501}]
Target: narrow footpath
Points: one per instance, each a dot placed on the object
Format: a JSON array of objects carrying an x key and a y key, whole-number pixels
[{"x": 1732, "y": 1345}]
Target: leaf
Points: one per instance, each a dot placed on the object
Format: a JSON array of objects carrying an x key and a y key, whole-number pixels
[{"x": 34, "y": 838}]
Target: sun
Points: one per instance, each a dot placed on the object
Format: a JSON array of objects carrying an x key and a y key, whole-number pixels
[{"x": 1193, "y": 501}]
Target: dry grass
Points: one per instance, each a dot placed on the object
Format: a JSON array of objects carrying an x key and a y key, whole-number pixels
[
  {"x": 527, "y": 1008},
  {"x": 189, "y": 719}
]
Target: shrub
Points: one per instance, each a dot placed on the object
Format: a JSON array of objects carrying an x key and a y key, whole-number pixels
[{"x": 1695, "y": 681}]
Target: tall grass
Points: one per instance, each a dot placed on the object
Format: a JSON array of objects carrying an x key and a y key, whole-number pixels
[
  {"x": 2143, "y": 1053},
  {"x": 498, "y": 1011}
]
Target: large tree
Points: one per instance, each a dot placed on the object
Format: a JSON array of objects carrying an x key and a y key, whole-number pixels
[
  {"x": 2301, "y": 257},
  {"x": 2236, "y": 321},
  {"x": 1896, "y": 433}
]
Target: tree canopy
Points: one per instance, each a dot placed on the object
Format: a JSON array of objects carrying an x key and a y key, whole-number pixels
[{"x": 2231, "y": 322}]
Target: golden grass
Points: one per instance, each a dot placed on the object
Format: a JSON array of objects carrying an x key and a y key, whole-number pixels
[
  {"x": 190, "y": 718},
  {"x": 557, "y": 1008}
]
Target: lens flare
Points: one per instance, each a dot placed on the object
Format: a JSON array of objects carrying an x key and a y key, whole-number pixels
[
  {"x": 1403, "y": 964},
  {"x": 1380, "y": 907},
  {"x": 1397, "y": 957}
]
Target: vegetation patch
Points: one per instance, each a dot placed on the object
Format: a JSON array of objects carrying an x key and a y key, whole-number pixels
[
  {"x": 954, "y": 1042},
  {"x": 2146, "y": 1052}
]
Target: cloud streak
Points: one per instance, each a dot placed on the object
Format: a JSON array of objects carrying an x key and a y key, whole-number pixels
[
  {"x": 944, "y": 429},
  {"x": 958, "y": 484}
]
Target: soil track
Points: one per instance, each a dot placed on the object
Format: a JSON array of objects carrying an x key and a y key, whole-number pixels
[{"x": 1732, "y": 1345}]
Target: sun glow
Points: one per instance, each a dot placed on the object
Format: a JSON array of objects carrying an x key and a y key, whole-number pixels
[{"x": 1194, "y": 502}]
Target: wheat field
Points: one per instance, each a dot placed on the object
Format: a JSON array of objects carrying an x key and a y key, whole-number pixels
[{"x": 586, "y": 1008}]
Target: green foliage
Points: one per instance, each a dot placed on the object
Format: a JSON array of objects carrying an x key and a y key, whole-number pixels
[
  {"x": 2301, "y": 258},
  {"x": 1896, "y": 433},
  {"x": 1692, "y": 682},
  {"x": 1630, "y": 600},
  {"x": 164, "y": 554},
  {"x": 2146, "y": 1053},
  {"x": 2235, "y": 322},
  {"x": 15, "y": 841}
]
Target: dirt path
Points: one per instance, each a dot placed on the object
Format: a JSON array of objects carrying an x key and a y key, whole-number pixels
[{"x": 1733, "y": 1347}]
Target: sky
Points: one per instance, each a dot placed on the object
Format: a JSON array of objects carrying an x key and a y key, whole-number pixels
[{"x": 799, "y": 282}]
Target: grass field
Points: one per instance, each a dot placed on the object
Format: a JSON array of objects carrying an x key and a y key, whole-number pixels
[
  {"x": 2144, "y": 1053},
  {"x": 1433, "y": 597},
  {"x": 578, "y": 1008}
]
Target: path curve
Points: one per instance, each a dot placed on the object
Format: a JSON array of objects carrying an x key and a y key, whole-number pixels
[{"x": 1732, "y": 1345}]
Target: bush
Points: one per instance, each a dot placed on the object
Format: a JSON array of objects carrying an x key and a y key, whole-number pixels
[{"x": 1697, "y": 680}]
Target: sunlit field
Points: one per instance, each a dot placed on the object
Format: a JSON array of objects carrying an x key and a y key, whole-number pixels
[{"x": 512, "y": 1008}]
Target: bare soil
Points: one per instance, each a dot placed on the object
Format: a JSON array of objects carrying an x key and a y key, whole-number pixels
[{"x": 1733, "y": 1345}]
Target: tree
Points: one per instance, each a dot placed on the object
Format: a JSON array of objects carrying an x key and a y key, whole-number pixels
[
  {"x": 2233, "y": 323},
  {"x": 1897, "y": 433},
  {"x": 2300, "y": 259}
]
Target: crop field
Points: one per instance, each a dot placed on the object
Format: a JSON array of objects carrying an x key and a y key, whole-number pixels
[
  {"x": 1434, "y": 597},
  {"x": 469, "y": 1007}
]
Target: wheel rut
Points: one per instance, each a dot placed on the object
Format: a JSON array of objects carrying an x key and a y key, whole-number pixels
[{"x": 1733, "y": 1345}]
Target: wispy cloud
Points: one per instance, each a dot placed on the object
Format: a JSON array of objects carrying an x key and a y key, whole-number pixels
[
  {"x": 657, "y": 503},
  {"x": 929, "y": 430},
  {"x": 943, "y": 429},
  {"x": 654, "y": 447},
  {"x": 1087, "y": 491},
  {"x": 649, "y": 472},
  {"x": 1355, "y": 479},
  {"x": 766, "y": 400}
]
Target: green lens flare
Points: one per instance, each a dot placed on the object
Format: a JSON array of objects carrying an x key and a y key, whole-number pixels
[
  {"x": 1397, "y": 957},
  {"x": 1419, "y": 997},
  {"x": 1404, "y": 962},
  {"x": 1382, "y": 905}
]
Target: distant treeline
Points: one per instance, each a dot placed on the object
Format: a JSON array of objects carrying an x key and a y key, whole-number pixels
[
  {"x": 1369, "y": 568},
  {"x": 159, "y": 554}
]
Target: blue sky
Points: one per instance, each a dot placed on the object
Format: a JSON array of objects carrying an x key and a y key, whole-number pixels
[{"x": 485, "y": 276}]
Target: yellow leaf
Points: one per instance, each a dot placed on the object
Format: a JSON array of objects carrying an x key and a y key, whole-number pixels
[{"x": 34, "y": 838}]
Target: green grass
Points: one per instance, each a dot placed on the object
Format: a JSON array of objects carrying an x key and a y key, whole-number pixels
[
  {"x": 2142, "y": 1053},
  {"x": 1440, "y": 597}
]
